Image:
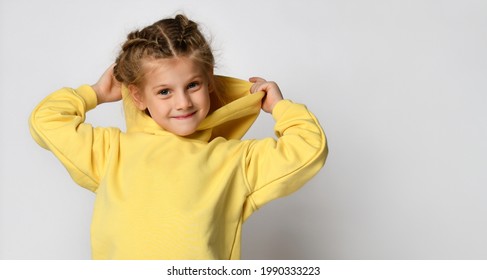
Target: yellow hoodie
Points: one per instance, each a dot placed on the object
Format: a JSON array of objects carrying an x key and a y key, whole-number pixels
[{"x": 162, "y": 196}]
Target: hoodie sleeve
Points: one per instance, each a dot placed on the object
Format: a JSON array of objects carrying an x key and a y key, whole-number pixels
[
  {"x": 57, "y": 124},
  {"x": 276, "y": 168}
]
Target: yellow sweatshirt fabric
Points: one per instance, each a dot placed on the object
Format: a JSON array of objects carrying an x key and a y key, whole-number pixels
[{"x": 162, "y": 196}]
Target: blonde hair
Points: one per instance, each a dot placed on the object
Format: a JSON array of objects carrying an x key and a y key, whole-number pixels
[{"x": 167, "y": 38}]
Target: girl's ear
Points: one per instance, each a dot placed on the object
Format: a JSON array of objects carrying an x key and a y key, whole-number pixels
[{"x": 137, "y": 97}]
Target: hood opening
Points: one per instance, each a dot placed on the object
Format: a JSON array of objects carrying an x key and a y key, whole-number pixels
[{"x": 230, "y": 121}]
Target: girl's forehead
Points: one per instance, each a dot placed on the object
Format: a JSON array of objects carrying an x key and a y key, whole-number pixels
[{"x": 183, "y": 64}]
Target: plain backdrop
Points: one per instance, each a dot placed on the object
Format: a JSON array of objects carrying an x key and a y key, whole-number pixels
[{"x": 400, "y": 88}]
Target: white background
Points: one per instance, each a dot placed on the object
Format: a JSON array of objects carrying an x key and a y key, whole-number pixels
[{"x": 399, "y": 86}]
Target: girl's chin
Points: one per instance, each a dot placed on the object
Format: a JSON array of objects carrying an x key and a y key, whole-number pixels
[{"x": 183, "y": 131}]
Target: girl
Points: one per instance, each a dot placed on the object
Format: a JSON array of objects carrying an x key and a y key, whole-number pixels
[{"x": 180, "y": 182}]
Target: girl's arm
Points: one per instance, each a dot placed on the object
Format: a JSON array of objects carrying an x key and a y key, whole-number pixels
[
  {"x": 276, "y": 168},
  {"x": 57, "y": 124}
]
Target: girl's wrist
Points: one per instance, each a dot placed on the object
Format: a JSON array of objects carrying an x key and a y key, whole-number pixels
[{"x": 99, "y": 98}]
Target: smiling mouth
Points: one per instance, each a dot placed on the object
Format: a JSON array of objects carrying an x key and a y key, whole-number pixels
[{"x": 184, "y": 117}]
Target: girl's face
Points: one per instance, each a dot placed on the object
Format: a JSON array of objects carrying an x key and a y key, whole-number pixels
[{"x": 175, "y": 92}]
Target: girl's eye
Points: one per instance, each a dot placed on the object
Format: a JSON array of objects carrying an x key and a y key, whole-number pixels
[
  {"x": 164, "y": 92},
  {"x": 193, "y": 85}
]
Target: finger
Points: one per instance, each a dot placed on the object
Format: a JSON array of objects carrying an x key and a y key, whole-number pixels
[
  {"x": 110, "y": 69},
  {"x": 259, "y": 87},
  {"x": 253, "y": 88},
  {"x": 256, "y": 80}
]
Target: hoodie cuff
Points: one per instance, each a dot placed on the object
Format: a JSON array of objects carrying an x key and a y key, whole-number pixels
[
  {"x": 89, "y": 96},
  {"x": 280, "y": 108}
]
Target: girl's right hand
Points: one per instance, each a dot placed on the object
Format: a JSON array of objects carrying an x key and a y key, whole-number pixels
[{"x": 108, "y": 89}]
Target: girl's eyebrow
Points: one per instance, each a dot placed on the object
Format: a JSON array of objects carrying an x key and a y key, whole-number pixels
[
  {"x": 159, "y": 86},
  {"x": 194, "y": 77}
]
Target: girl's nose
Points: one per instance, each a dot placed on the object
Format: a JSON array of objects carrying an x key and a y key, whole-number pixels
[{"x": 183, "y": 101}]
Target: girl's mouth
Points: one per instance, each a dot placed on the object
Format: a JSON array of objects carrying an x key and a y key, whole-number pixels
[{"x": 184, "y": 117}]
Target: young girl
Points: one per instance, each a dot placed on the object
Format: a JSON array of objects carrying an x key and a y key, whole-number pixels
[{"x": 180, "y": 182}]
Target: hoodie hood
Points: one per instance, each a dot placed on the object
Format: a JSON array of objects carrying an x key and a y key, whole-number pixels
[{"x": 230, "y": 121}]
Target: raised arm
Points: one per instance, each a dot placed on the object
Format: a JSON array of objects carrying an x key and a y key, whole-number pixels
[
  {"x": 276, "y": 168},
  {"x": 57, "y": 124}
]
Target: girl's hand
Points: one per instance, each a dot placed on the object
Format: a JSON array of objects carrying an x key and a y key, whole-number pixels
[
  {"x": 108, "y": 89},
  {"x": 273, "y": 93}
]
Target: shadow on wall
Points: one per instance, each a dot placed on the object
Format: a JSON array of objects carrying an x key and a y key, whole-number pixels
[{"x": 294, "y": 236}]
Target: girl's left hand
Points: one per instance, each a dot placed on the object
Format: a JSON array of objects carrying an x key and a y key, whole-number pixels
[{"x": 273, "y": 93}]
